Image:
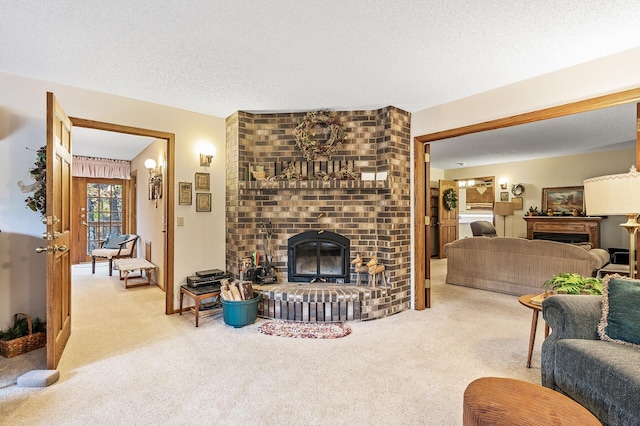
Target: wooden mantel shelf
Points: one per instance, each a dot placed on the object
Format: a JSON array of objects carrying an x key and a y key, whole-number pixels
[
  {"x": 589, "y": 226},
  {"x": 375, "y": 185}
]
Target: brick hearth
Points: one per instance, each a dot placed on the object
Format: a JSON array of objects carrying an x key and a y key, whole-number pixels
[{"x": 374, "y": 215}]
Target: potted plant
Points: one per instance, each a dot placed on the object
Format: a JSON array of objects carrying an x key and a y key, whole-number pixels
[
  {"x": 23, "y": 337},
  {"x": 533, "y": 211},
  {"x": 569, "y": 283}
]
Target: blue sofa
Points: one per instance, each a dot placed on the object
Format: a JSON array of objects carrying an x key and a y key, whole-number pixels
[{"x": 602, "y": 376}]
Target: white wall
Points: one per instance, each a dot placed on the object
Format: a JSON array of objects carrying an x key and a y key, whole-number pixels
[
  {"x": 199, "y": 244},
  {"x": 151, "y": 220},
  {"x": 555, "y": 172}
]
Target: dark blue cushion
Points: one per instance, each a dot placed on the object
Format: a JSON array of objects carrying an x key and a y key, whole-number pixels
[
  {"x": 113, "y": 242},
  {"x": 620, "y": 321}
]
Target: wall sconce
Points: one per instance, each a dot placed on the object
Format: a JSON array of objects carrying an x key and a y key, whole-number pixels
[
  {"x": 207, "y": 155},
  {"x": 503, "y": 183},
  {"x": 205, "y": 160},
  {"x": 155, "y": 180}
]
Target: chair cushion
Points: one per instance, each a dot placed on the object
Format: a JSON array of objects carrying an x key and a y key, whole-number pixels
[
  {"x": 620, "y": 321},
  {"x": 113, "y": 242},
  {"x": 109, "y": 253},
  {"x": 590, "y": 370}
]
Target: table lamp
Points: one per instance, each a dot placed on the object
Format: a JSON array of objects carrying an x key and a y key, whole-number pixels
[
  {"x": 616, "y": 195},
  {"x": 504, "y": 209}
]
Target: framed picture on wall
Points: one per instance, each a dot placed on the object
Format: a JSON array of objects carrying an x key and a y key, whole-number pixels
[
  {"x": 203, "y": 202},
  {"x": 504, "y": 196},
  {"x": 184, "y": 193},
  {"x": 517, "y": 203},
  {"x": 563, "y": 200},
  {"x": 203, "y": 182}
]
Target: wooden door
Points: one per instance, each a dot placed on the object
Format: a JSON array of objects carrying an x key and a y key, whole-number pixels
[
  {"x": 58, "y": 235},
  {"x": 79, "y": 220},
  {"x": 447, "y": 219},
  {"x": 422, "y": 284}
]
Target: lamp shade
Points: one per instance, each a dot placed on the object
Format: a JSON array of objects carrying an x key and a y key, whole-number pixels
[
  {"x": 150, "y": 163},
  {"x": 613, "y": 194},
  {"x": 503, "y": 208}
]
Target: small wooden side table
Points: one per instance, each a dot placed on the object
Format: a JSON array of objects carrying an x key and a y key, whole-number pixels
[
  {"x": 526, "y": 301},
  {"x": 198, "y": 294}
]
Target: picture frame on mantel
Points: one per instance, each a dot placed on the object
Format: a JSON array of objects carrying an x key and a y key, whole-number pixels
[{"x": 563, "y": 200}]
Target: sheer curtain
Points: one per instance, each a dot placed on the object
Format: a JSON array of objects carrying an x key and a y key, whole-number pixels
[{"x": 101, "y": 168}]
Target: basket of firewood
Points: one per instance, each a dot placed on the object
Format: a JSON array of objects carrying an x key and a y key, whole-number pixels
[{"x": 239, "y": 303}]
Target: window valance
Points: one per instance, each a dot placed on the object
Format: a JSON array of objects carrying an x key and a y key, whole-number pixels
[{"x": 101, "y": 168}]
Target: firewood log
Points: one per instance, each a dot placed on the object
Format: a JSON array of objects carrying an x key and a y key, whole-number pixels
[
  {"x": 246, "y": 290},
  {"x": 226, "y": 294},
  {"x": 235, "y": 292}
]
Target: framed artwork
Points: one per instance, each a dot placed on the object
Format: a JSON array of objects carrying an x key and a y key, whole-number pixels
[
  {"x": 203, "y": 182},
  {"x": 563, "y": 200},
  {"x": 517, "y": 203},
  {"x": 203, "y": 202},
  {"x": 504, "y": 196},
  {"x": 184, "y": 193}
]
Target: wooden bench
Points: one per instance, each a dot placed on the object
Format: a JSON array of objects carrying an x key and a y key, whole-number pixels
[{"x": 126, "y": 266}]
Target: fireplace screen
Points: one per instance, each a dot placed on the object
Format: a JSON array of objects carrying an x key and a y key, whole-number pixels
[{"x": 318, "y": 257}]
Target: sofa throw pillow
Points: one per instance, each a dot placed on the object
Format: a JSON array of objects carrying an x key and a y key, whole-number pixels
[
  {"x": 586, "y": 246},
  {"x": 114, "y": 241},
  {"x": 620, "y": 322}
]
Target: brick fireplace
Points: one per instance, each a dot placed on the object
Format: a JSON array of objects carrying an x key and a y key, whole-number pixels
[{"x": 374, "y": 215}]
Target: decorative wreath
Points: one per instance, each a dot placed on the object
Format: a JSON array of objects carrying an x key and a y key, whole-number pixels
[
  {"x": 304, "y": 134},
  {"x": 450, "y": 199},
  {"x": 38, "y": 201},
  {"x": 517, "y": 190}
]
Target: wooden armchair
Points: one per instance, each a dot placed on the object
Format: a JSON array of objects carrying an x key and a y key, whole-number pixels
[{"x": 126, "y": 248}]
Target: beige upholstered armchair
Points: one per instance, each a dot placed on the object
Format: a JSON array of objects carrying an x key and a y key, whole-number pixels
[{"x": 114, "y": 247}]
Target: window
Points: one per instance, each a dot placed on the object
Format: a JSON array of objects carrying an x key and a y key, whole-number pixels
[{"x": 104, "y": 212}]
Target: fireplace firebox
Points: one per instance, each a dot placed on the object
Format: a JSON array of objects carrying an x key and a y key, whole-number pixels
[{"x": 318, "y": 256}]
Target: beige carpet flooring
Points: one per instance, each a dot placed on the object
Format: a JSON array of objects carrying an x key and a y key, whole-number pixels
[{"x": 128, "y": 363}]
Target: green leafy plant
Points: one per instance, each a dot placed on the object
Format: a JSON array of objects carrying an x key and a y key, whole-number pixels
[
  {"x": 568, "y": 283},
  {"x": 21, "y": 329}
]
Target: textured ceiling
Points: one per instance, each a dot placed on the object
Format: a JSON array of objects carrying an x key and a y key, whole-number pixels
[{"x": 216, "y": 57}]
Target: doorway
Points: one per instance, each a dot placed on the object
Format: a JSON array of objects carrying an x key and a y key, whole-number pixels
[
  {"x": 422, "y": 167},
  {"x": 477, "y": 198},
  {"x": 167, "y": 281},
  {"x": 100, "y": 209}
]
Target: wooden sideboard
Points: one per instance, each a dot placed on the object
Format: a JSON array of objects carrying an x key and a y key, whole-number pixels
[{"x": 589, "y": 226}]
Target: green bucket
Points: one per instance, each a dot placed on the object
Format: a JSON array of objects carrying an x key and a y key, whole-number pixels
[{"x": 239, "y": 313}]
